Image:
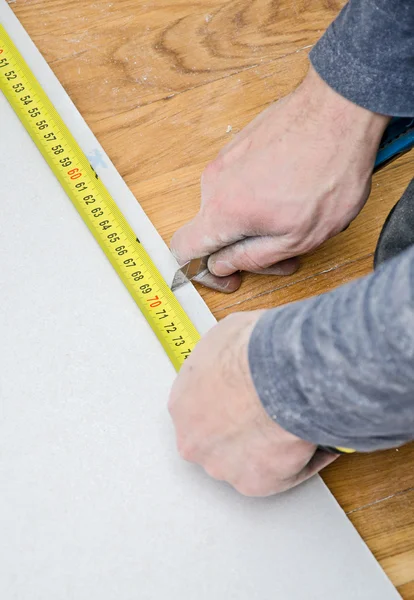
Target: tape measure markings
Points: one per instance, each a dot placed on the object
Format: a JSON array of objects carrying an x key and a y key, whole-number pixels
[{"x": 97, "y": 208}]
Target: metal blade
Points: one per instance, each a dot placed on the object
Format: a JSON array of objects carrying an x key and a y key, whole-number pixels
[
  {"x": 190, "y": 270},
  {"x": 179, "y": 280}
]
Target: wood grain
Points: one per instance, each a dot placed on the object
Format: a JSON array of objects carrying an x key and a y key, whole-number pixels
[
  {"x": 159, "y": 82},
  {"x": 407, "y": 590},
  {"x": 361, "y": 480},
  {"x": 151, "y": 50},
  {"x": 388, "y": 528}
]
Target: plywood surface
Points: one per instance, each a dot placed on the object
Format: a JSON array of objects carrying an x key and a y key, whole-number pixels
[{"x": 159, "y": 83}]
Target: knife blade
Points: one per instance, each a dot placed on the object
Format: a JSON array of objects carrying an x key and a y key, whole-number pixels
[{"x": 187, "y": 272}]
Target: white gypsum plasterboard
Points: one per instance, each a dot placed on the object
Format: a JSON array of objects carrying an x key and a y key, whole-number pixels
[{"x": 94, "y": 501}]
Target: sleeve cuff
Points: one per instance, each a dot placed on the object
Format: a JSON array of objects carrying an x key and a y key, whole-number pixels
[
  {"x": 337, "y": 369},
  {"x": 367, "y": 56},
  {"x": 272, "y": 360}
]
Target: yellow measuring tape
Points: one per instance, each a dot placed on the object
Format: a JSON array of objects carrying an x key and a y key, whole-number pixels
[{"x": 97, "y": 208}]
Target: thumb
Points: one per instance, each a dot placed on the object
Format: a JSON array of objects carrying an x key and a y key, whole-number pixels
[
  {"x": 266, "y": 255},
  {"x": 319, "y": 461},
  {"x": 200, "y": 238}
]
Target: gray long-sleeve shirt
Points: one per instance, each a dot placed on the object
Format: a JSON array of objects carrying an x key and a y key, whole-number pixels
[{"x": 338, "y": 369}]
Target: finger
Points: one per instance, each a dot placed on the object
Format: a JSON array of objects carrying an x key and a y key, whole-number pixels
[
  {"x": 319, "y": 461},
  {"x": 215, "y": 471},
  {"x": 226, "y": 285},
  {"x": 200, "y": 237},
  {"x": 284, "y": 267},
  {"x": 264, "y": 255}
]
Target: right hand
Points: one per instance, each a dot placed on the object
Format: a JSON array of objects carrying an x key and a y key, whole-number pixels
[
  {"x": 221, "y": 424},
  {"x": 294, "y": 177}
]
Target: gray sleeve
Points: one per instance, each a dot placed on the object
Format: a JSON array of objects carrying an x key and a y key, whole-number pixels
[
  {"x": 367, "y": 55},
  {"x": 338, "y": 369}
]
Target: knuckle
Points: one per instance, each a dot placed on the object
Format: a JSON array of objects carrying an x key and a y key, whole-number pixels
[
  {"x": 260, "y": 478},
  {"x": 251, "y": 489},
  {"x": 171, "y": 401},
  {"x": 251, "y": 263},
  {"x": 218, "y": 203},
  {"x": 213, "y": 169},
  {"x": 299, "y": 241},
  {"x": 186, "y": 450},
  {"x": 215, "y": 471}
]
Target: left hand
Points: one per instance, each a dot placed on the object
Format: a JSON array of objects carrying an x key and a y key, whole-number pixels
[{"x": 221, "y": 424}]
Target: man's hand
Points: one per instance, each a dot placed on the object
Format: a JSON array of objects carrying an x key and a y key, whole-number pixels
[
  {"x": 221, "y": 424},
  {"x": 296, "y": 176}
]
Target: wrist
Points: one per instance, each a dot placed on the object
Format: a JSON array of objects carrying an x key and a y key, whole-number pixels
[{"x": 336, "y": 111}]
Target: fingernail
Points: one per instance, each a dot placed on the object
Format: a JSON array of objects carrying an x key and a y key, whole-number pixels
[{"x": 221, "y": 267}]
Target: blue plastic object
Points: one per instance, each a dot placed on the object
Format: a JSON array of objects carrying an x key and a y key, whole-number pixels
[{"x": 398, "y": 139}]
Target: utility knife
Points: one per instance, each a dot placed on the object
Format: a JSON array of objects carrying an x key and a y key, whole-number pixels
[{"x": 398, "y": 139}]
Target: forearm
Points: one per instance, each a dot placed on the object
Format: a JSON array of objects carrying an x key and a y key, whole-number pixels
[
  {"x": 367, "y": 55},
  {"x": 338, "y": 369}
]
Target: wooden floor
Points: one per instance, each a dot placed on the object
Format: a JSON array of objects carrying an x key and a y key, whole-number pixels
[{"x": 160, "y": 82}]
